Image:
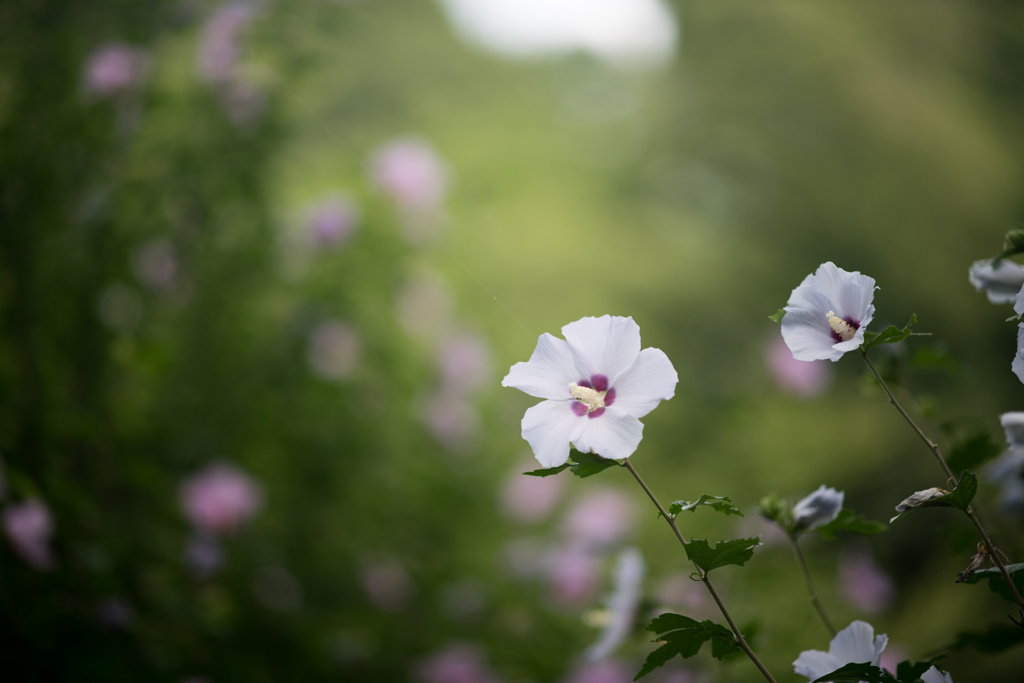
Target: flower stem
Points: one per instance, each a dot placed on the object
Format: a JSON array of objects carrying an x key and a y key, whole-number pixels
[
  {"x": 993, "y": 554},
  {"x": 810, "y": 585},
  {"x": 703, "y": 575}
]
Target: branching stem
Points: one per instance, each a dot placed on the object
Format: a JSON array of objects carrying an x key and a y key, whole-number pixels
[
  {"x": 703, "y": 575},
  {"x": 934, "y": 448}
]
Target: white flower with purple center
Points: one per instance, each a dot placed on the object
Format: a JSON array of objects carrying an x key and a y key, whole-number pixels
[
  {"x": 827, "y": 314},
  {"x": 855, "y": 644},
  {"x": 1000, "y": 281},
  {"x": 597, "y": 383}
]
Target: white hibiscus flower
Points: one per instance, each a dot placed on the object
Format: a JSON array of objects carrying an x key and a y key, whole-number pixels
[
  {"x": 827, "y": 314},
  {"x": 597, "y": 383},
  {"x": 1000, "y": 282},
  {"x": 855, "y": 644}
]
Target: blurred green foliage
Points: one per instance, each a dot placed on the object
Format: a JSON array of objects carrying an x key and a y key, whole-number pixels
[{"x": 883, "y": 137}]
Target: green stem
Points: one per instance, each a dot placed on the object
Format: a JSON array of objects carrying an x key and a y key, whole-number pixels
[
  {"x": 810, "y": 585},
  {"x": 703, "y": 575},
  {"x": 993, "y": 554}
]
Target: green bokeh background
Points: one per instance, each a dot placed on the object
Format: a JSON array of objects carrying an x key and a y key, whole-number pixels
[{"x": 883, "y": 137}]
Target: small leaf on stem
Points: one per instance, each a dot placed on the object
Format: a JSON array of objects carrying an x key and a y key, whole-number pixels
[
  {"x": 736, "y": 551},
  {"x": 719, "y": 503},
  {"x": 857, "y": 673},
  {"x": 684, "y": 636}
]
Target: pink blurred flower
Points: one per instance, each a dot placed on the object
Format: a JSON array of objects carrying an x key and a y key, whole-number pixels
[
  {"x": 530, "y": 499},
  {"x": 218, "y": 43},
  {"x": 679, "y": 593},
  {"x": 864, "y": 584},
  {"x": 455, "y": 663},
  {"x": 332, "y": 220},
  {"x": 608, "y": 671},
  {"x": 893, "y": 654},
  {"x": 600, "y": 517},
  {"x": 115, "y": 68},
  {"x": 411, "y": 173},
  {"x": 796, "y": 377},
  {"x": 220, "y": 498},
  {"x": 155, "y": 264},
  {"x": 572, "y": 574},
  {"x": 451, "y": 419},
  {"x": 465, "y": 362},
  {"x": 387, "y": 584},
  {"x": 334, "y": 350},
  {"x": 29, "y": 528}
]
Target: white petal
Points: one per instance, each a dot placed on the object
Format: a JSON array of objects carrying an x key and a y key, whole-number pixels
[
  {"x": 1001, "y": 282},
  {"x": 548, "y": 372},
  {"x": 608, "y": 345},
  {"x": 933, "y": 675},
  {"x": 652, "y": 379},
  {"x": 1018, "y": 302},
  {"x": 817, "y": 509},
  {"x": 614, "y": 434},
  {"x": 1018, "y": 359},
  {"x": 850, "y": 292},
  {"x": 814, "y": 664},
  {"x": 1013, "y": 424},
  {"x": 549, "y": 426},
  {"x": 808, "y": 335},
  {"x": 857, "y": 644}
]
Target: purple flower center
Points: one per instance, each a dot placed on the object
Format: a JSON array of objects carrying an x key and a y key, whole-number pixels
[
  {"x": 592, "y": 396},
  {"x": 843, "y": 329}
]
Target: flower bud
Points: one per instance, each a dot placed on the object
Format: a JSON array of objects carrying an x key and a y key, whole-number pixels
[
  {"x": 774, "y": 509},
  {"x": 817, "y": 509}
]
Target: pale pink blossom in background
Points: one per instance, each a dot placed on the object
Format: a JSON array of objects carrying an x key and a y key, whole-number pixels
[
  {"x": 218, "y": 43},
  {"x": 334, "y": 350},
  {"x": 573, "y": 575},
  {"x": 455, "y": 663},
  {"x": 155, "y": 264},
  {"x": 667, "y": 675},
  {"x": 220, "y": 498},
  {"x": 464, "y": 360},
  {"x": 115, "y": 68},
  {"x": 387, "y": 584},
  {"x": 331, "y": 221},
  {"x": 863, "y": 583},
  {"x": 600, "y": 517},
  {"x": 452, "y": 419},
  {"x": 796, "y": 377},
  {"x": 607, "y": 671},
  {"x": 530, "y": 499},
  {"x": 203, "y": 556},
  {"x": 424, "y": 306},
  {"x": 410, "y": 172},
  {"x": 679, "y": 593},
  {"x": 892, "y": 656},
  {"x": 29, "y": 527}
]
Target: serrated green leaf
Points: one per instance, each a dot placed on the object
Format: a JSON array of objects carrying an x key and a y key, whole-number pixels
[
  {"x": 959, "y": 498},
  {"x": 892, "y": 334},
  {"x": 852, "y": 523},
  {"x": 588, "y": 464},
  {"x": 908, "y": 672},
  {"x": 547, "y": 472},
  {"x": 857, "y": 673},
  {"x": 996, "y": 584},
  {"x": 718, "y": 503},
  {"x": 736, "y": 551},
  {"x": 777, "y": 316},
  {"x": 684, "y": 636}
]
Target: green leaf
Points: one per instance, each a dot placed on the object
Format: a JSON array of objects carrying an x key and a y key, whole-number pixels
[
  {"x": 973, "y": 450},
  {"x": 908, "y": 672},
  {"x": 853, "y": 673},
  {"x": 996, "y": 638},
  {"x": 583, "y": 465},
  {"x": 684, "y": 636},
  {"x": 719, "y": 503},
  {"x": 736, "y": 551},
  {"x": 776, "y": 317},
  {"x": 891, "y": 335},
  {"x": 852, "y": 523},
  {"x": 996, "y": 584},
  {"x": 959, "y": 498},
  {"x": 546, "y": 472}
]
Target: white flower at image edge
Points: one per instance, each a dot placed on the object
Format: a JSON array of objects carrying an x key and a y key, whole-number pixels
[
  {"x": 597, "y": 383},
  {"x": 855, "y": 644},
  {"x": 1000, "y": 282},
  {"x": 817, "y": 509},
  {"x": 1018, "y": 358},
  {"x": 933, "y": 675},
  {"x": 827, "y": 314}
]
